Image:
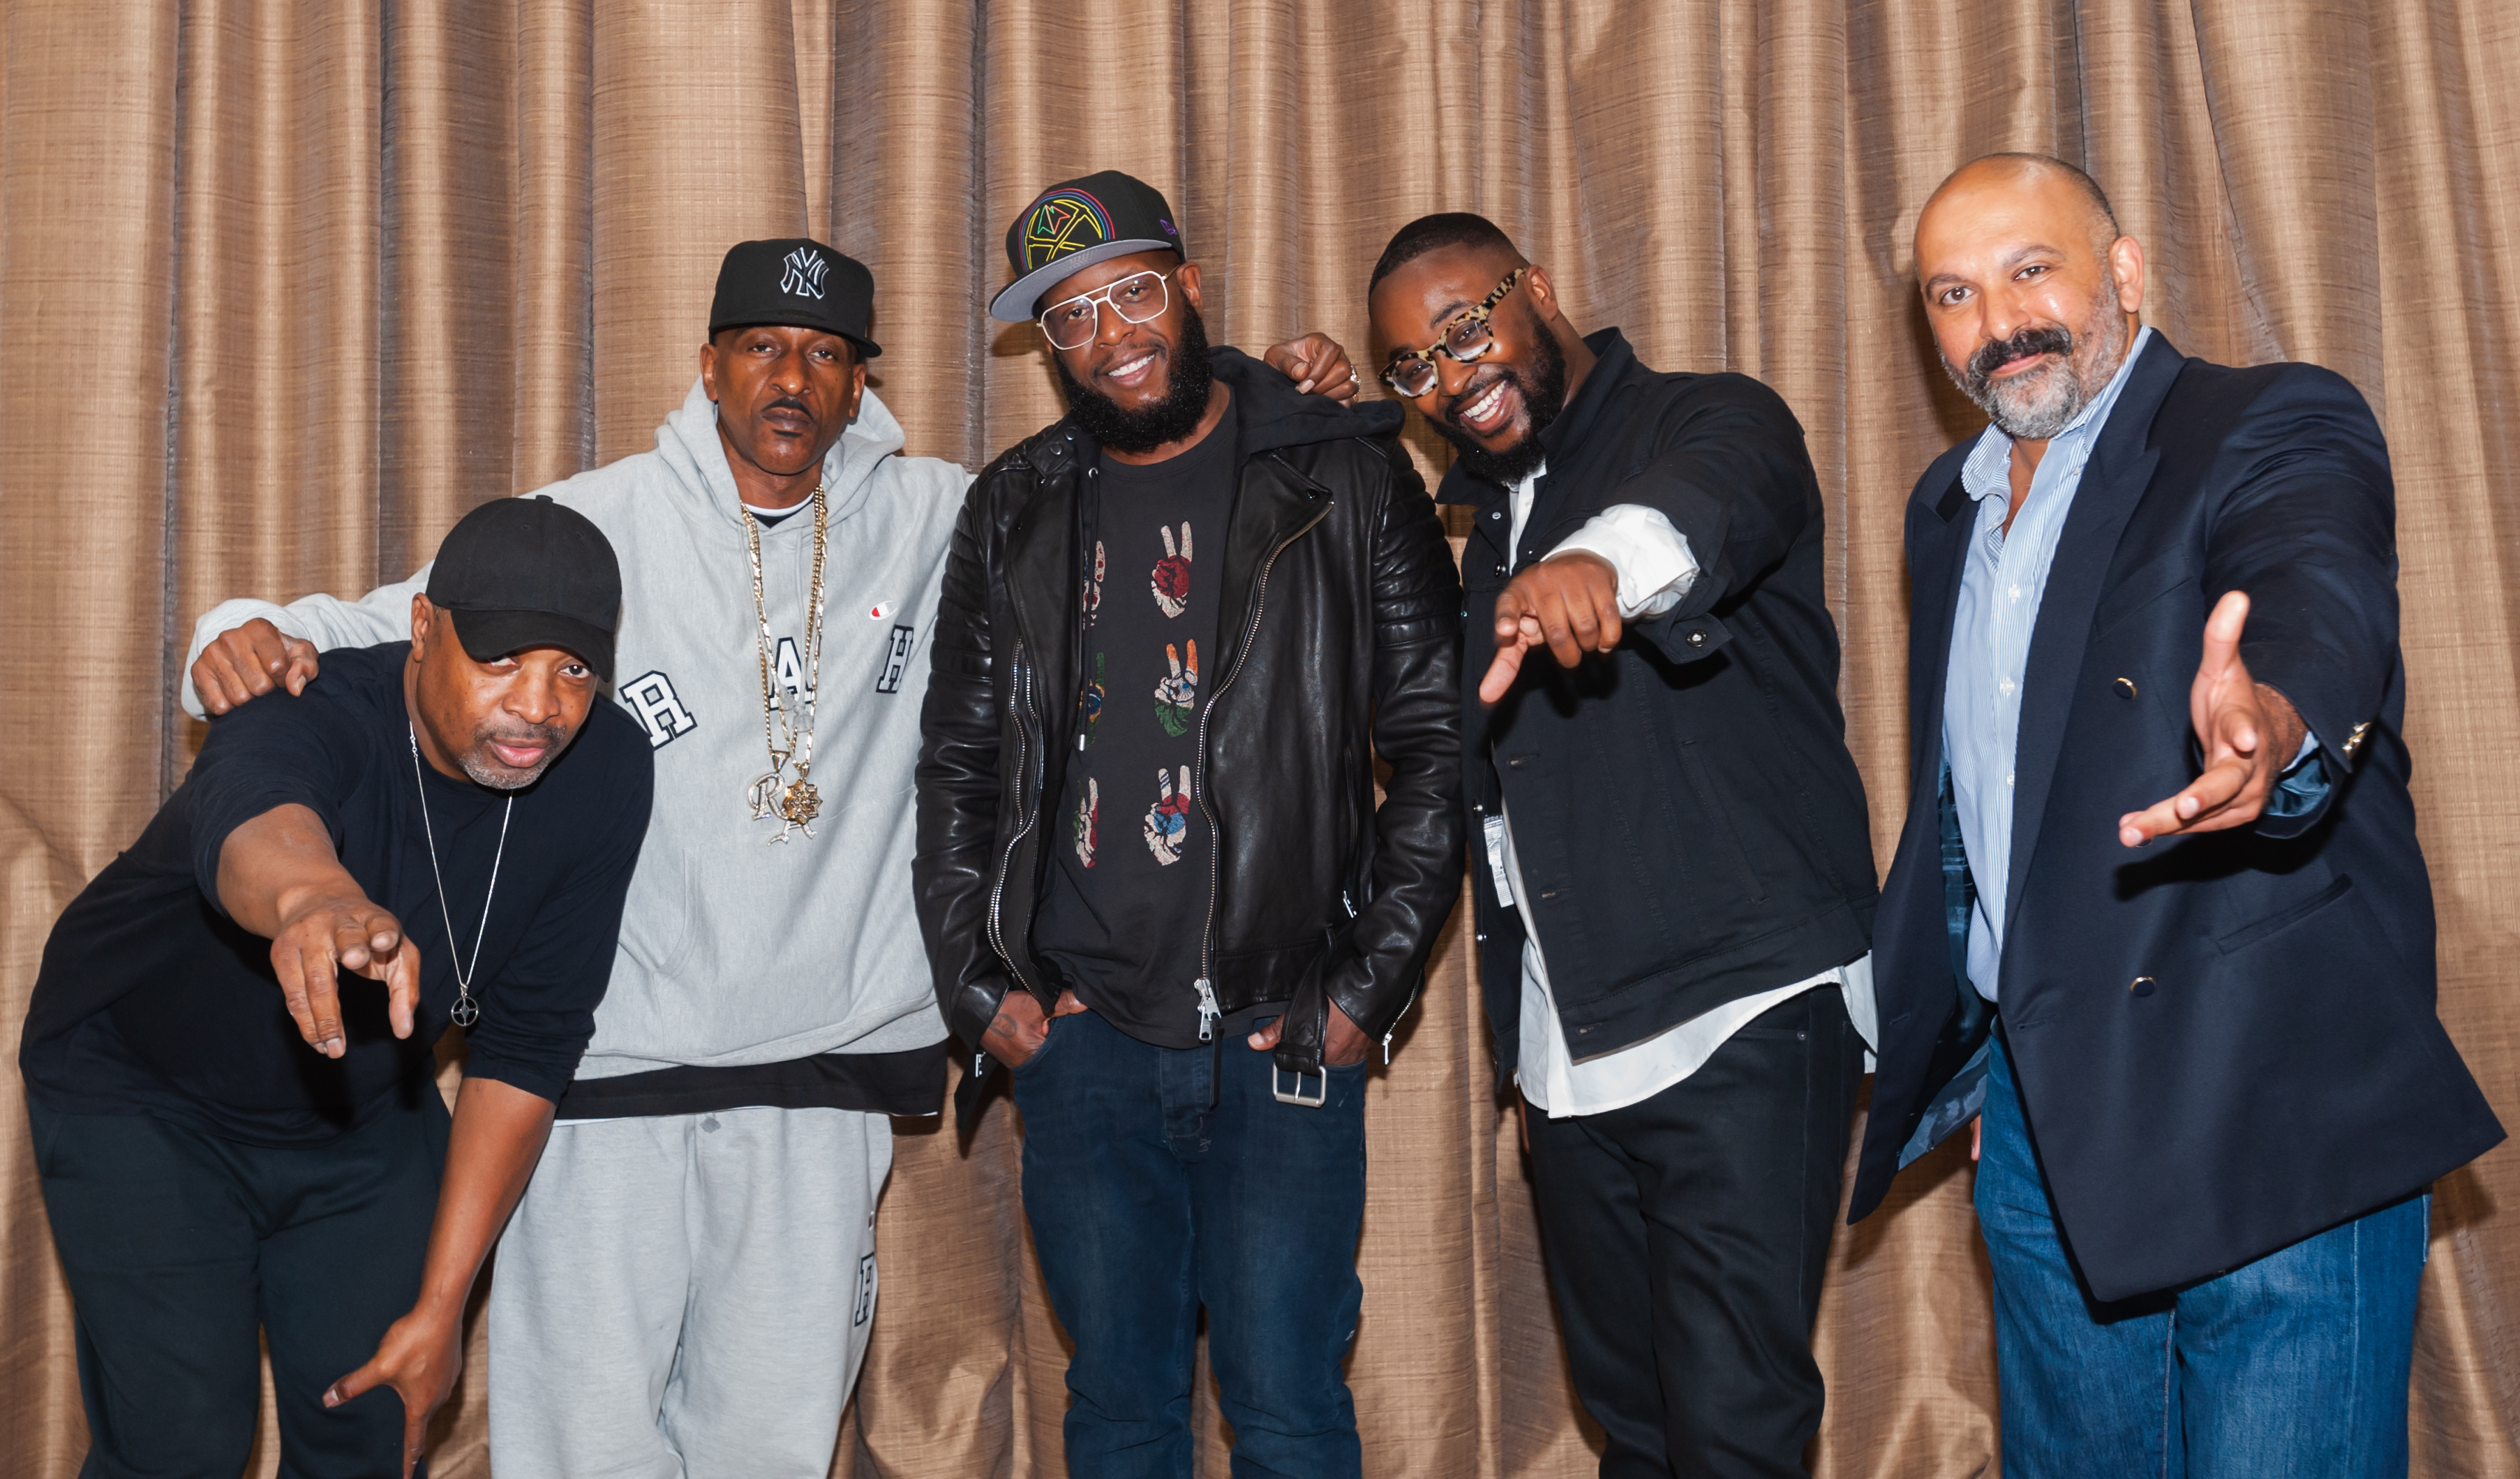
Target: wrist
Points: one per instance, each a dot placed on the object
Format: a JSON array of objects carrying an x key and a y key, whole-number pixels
[{"x": 440, "y": 1306}]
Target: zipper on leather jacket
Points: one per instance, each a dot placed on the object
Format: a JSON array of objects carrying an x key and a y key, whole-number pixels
[
  {"x": 1025, "y": 747},
  {"x": 1208, "y": 1011}
]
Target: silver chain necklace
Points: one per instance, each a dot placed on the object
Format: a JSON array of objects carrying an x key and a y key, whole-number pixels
[{"x": 466, "y": 1012}]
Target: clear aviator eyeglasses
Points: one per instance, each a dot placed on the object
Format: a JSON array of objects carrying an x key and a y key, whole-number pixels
[
  {"x": 1412, "y": 372},
  {"x": 1071, "y": 323}
]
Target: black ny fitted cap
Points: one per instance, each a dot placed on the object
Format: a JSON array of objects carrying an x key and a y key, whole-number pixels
[
  {"x": 1073, "y": 225},
  {"x": 526, "y": 572},
  {"x": 797, "y": 282}
]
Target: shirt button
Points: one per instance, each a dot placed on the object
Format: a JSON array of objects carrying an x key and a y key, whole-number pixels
[
  {"x": 2015, "y": 592},
  {"x": 1697, "y": 639},
  {"x": 2006, "y": 686},
  {"x": 2008, "y": 778}
]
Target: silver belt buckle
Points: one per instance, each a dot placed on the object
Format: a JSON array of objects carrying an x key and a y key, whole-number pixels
[{"x": 1298, "y": 1097}]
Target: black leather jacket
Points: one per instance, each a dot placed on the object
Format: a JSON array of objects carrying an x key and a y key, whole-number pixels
[{"x": 1342, "y": 613}]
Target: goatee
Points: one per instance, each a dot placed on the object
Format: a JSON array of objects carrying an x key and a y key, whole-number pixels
[
  {"x": 1544, "y": 396},
  {"x": 1168, "y": 421},
  {"x": 2037, "y": 404}
]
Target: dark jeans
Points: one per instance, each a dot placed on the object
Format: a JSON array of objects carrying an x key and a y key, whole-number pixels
[
  {"x": 179, "y": 1246},
  {"x": 1684, "y": 1237},
  {"x": 1147, "y": 1201},
  {"x": 2293, "y": 1365}
]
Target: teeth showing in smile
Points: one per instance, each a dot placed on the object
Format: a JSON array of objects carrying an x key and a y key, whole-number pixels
[
  {"x": 1486, "y": 405},
  {"x": 1127, "y": 368}
]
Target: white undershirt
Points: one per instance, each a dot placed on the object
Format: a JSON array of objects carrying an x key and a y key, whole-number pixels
[{"x": 1655, "y": 568}]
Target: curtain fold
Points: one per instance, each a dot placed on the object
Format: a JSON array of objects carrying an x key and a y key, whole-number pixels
[{"x": 286, "y": 285}]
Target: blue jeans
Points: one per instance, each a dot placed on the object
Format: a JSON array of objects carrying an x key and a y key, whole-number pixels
[
  {"x": 2292, "y": 1365},
  {"x": 1147, "y": 1201}
]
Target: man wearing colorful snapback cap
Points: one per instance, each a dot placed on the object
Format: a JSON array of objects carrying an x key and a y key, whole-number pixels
[
  {"x": 689, "y": 1287},
  {"x": 231, "y": 1136},
  {"x": 1180, "y": 628}
]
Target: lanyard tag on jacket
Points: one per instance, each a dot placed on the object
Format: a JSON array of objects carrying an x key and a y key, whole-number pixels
[{"x": 1494, "y": 828}]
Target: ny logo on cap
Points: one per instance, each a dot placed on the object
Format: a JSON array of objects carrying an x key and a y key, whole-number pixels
[
  {"x": 1064, "y": 221},
  {"x": 804, "y": 275}
]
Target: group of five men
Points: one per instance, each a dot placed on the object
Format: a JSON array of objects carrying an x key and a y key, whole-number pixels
[{"x": 1110, "y": 720}]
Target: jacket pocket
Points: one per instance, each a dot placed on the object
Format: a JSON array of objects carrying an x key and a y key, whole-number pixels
[{"x": 2285, "y": 918}]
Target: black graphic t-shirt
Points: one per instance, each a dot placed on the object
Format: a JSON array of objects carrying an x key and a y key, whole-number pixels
[{"x": 1135, "y": 856}]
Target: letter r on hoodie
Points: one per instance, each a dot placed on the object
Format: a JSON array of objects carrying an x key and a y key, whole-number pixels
[{"x": 651, "y": 699}]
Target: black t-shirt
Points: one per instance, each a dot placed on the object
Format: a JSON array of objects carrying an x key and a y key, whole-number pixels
[
  {"x": 1126, "y": 907},
  {"x": 152, "y": 1001}
]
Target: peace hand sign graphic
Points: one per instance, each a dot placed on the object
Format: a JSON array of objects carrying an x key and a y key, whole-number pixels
[
  {"x": 1171, "y": 577},
  {"x": 1177, "y": 696},
  {"x": 1168, "y": 820},
  {"x": 1089, "y": 814}
]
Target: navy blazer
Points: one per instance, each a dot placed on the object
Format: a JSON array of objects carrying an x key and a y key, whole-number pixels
[{"x": 2228, "y": 1042}]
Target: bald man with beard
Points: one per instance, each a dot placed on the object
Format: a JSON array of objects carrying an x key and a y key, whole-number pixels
[{"x": 2158, "y": 920}]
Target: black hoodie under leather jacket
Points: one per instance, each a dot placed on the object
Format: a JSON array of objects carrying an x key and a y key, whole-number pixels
[{"x": 1342, "y": 630}]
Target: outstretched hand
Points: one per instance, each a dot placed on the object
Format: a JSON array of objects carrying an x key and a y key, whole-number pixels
[
  {"x": 1317, "y": 365},
  {"x": 420, "y": 1357},
  {"x": 246, "y": 662},
  {"x": 321, "y": 937},
  {"x": 2248, "y": 731},
  {"x": 1569, "y": 601}
]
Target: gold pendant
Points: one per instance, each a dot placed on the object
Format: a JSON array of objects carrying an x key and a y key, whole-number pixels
[{"x": 801, "y": 803}]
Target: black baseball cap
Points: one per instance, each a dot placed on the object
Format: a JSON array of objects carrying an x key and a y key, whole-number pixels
[
  {"x": 1073, "y": 225},
  {"x": 526, "y": 572},
  {"x": 794, "y": 281}
]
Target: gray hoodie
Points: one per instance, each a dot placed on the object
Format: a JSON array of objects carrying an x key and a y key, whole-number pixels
[{"x": 735, "y": 951}]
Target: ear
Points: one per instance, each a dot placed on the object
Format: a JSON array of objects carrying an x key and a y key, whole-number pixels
[
  {"x": 424, "y": 621},
  {"x": 708, "y": 368},
  {"x": 2126, "y": 265},
  {"x": 1544, "y": 294},
  {"x": 1186, "y": 277},
  {"x": 857, "y": 383}
]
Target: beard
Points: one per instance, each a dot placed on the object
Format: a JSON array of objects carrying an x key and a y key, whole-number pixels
[
  {"x": 1187, "y": 380},
  {"x": 2036, "y": 406},
  {"x": 1544, "y": 397}
]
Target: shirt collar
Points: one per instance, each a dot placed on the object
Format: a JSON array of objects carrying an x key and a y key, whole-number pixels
[{"x": 1988, "y": 472}]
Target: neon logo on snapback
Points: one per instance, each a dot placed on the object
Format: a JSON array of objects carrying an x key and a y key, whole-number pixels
[
  {"x": 803, "y": 277},
  {"x": 1064, "y": 221}
]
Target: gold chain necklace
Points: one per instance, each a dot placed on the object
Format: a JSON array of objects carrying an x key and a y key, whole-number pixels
[{"x": 794, "y": 804}]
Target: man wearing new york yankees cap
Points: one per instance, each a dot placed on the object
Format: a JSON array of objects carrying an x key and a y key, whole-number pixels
[{"x": 687, "y": 1288}]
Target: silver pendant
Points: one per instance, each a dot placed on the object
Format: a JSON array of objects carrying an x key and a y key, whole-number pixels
[
  {"x": 466, "y": 1012},
  {"x": 793, "y": 805}
]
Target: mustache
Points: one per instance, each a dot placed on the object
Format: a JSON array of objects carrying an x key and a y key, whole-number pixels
[
  {"x": 2044, "y": 339},
  {"x": 547, "y": 735},
  {"x": 788, "y": 403}
]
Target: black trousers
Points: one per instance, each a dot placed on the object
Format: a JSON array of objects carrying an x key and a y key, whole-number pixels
[
  {"x": 179, "y": 1246},
  {"x": 1685, "y": 1237}
]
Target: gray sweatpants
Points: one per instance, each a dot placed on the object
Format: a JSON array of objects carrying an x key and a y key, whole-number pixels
[{"x": 687, "y": 1296}]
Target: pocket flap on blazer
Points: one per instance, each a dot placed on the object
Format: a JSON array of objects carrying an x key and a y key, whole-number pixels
[{"x": 2287, "y": 917}]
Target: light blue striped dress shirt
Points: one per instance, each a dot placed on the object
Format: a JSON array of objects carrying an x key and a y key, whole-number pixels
[{"x": 2000, "y": 588}]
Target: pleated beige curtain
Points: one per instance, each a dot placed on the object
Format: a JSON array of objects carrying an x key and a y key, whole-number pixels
[{"x": 286, "y": 285}]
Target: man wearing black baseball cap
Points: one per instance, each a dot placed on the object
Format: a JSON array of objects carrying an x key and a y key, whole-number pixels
[
  {"x": 233, "y": 1136},
  {"x": 719, "y": 1155},
  {"x": 1182, "y": 626}
]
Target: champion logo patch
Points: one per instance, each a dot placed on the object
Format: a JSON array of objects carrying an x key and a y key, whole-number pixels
[{"x": 879, "y": 610}]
